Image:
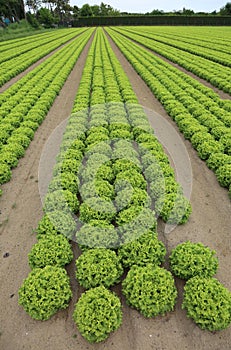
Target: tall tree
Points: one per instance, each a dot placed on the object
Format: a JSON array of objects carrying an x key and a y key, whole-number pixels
[
  {"x": 13, "y": 9},
  {"x": 86, "y": 11},
  {"x": 226, "y": 10},
  {"x": 33, "y": 5}
]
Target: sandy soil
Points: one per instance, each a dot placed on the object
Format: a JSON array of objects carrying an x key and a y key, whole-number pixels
[{"x": 21, "y": 209}]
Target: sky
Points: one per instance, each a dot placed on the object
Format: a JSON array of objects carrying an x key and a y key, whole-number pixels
[{"x": 139, "y": 6}]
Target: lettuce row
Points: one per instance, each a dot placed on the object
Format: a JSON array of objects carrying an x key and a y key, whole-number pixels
[
  {"x": 202, "y": 119},
  {"x": 207, "y": 68},
  {"x": 18, "y": 59},
  {"x": 24, "y": 109}
]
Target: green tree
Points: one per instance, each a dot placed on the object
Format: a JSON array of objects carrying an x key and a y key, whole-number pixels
[
  {"x": 33, "y": 5},
  {"x": 95, "y": 10},
  {"x": 45, "y": 17},
  {"x": 156, "y": 13},
  {"x": 86, "y": 11},
  {"x": 75, "y": 11},
  {"x": 12, "y": 9},
  {"x": 226, "y": 10}
]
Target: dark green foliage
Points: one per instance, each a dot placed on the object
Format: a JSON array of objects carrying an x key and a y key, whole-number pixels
[
  {"x": 45, "y": 291},
  {"x": 146, "y": 249},
  {"x": 103, "y": 235},
  {"x": 97, "y": 313},
  {"x": 208, "y": 303},
  {"x": 193, "y": 259},
  {"x": 50, "y": 250},
  {"x": 150, "y": 289},
  {"x": 99, "y": 266}
]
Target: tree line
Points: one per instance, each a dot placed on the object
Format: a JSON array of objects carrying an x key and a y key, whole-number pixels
[{"x": 51, "y": 12}]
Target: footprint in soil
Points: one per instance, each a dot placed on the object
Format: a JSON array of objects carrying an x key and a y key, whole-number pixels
[{"x": 5, "y": 255}]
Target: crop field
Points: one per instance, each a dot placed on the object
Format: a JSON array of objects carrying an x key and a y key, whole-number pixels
[{"x": 115, "y": 175}]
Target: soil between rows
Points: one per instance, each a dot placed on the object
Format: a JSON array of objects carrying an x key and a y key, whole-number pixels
[{"x": 21, "y": 209}]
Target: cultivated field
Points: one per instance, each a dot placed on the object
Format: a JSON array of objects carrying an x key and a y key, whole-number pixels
[{"x": 115, "y": 147}]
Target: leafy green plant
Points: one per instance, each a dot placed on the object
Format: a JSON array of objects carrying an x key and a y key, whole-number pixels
[
  {"x": 22, "y": 139},
  {"x": 61, "y": 200},
  {"x": 45, "y": 291},
  {"x": 56, "y": 222},
  {"x": 132, "y": 177},
  {"x": 5, "y": 173},
  {"x": 208, "y": 303},
  {"x": 96, "y": 208},
  {"x": 123, "y": 164},
  {"x": 223, "y": 174},
  {"x": 226, "y": 142},
  {"x": 7, "y": 157},
  {"x": 96, "y": 137},
  {"x": 193, "y": 259},
  {"x": 101, "y": 188},
  {"x": 121, "y": 134},
  {"x": 138, "y": 222},
  {"x": 127, "y": 215},
  {"x": 97, "y": 313},
  {"x": 50, "y": 250},
  {"x": 97, "y": 267},
  {"x": 104, "y": 235},
  {"x": 105, "y": 172},
  {"x": 102, "y": 148},
  {"x": 67, "y": 165},
  {"x": 143, "y": 250},
  {"x": 206, "y": 148},
  {"x": 15, "y": 148},
  {"x": 173, "y": 208},
  {"x": 150, "y": 289},
  {"x": 218, "y": 159},
  {"x": 132, "y": 197}
]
